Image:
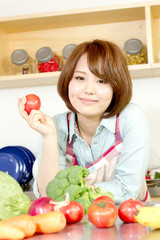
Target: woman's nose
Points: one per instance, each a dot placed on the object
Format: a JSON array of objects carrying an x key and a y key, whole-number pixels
[{"x": 90, "y": 87}]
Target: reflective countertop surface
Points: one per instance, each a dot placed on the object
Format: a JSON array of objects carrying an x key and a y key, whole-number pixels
[{"x": 85, "y": 230}]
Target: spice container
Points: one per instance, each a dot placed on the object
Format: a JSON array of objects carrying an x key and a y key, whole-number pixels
[
  {"x": 135, "y": 51},
  {"x": 67, "y": 50},
  {"x": 22, "y": 63},
  {"x": 47, "y": 60}
]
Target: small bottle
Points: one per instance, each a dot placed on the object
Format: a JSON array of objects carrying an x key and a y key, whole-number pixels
[
  {"x": 135, "y": 51},
  {"x": 21, "y": 62},
  {"x": 47, "y": 60}
]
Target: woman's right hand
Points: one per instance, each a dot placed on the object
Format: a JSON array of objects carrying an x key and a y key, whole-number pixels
[{"x": 37, "y": 119}]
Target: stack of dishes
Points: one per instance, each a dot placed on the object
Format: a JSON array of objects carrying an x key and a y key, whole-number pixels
[{"x": 17, "y": 161}]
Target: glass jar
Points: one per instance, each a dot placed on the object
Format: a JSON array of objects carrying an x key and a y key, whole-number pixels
[
  {"x": 135, "y": 51},
  {"x": 47, "y": 60},
  {"x": 67, "y": 50},
  {"x": 22, "y": 63}
]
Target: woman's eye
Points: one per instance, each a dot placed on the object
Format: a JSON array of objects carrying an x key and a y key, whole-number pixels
[
  {"x": 102, "y": 81},
  {"x": 79, "y": 78}
]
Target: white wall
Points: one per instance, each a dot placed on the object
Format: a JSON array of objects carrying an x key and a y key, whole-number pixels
[
  {"x": 18, "y": 7},
  {"x": 14, "y": 130},
  {"x": 146, "y": 94}
]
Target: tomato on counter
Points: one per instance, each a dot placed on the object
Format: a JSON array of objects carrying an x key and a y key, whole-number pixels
[
  {"x": 127, "y": 210},
  {"x": 73, "y": 212},
  {"x": 102, "y": 213}
]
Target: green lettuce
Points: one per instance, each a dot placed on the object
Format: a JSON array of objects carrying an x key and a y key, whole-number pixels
[{"x": 13, "y": 201}]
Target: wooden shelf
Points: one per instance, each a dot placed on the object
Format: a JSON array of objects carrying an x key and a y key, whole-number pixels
[
  {"x": 29, "y": 80},
  {"x": 116, "y": 23},
  {"x": 144, "y": 70},
  {"x": 45, "y": 79}
]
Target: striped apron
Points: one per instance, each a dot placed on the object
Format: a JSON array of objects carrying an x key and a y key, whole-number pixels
[{"x": 103, "y": 168}]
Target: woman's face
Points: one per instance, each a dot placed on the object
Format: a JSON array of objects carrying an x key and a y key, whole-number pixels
[{"x": 88, "y": 94}]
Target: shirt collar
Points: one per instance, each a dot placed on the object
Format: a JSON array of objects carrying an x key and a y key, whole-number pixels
[{"x": 108, "y": 123}]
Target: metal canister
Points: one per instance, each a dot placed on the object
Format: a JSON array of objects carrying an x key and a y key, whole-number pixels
[
  {"x": 67, "y": 50},
  {"x": 22, "y": 63},
  {"x": 135, "y": 51},
  {"x": 47, "y": 60}
]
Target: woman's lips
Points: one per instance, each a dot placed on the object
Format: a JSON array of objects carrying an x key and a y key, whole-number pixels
[{"x": 88, "y": 101}]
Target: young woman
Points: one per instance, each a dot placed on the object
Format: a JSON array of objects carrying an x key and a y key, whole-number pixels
[{"x": 102, "y": 131}]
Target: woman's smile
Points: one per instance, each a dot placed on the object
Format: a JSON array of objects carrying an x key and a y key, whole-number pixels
[{"x": 88, "y": 101}]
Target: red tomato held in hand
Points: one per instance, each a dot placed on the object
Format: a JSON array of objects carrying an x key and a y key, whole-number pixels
[
  {"x": 103, "y": 214},
  {"x": 127, "y": 210},
  {"x": 73, "y": 212},
  {"x": 32, "y": 102}
]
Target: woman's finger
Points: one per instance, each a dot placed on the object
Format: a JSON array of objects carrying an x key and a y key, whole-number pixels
[
  {"x": 21, "y": 108},
  {"x": 36, "y": 120},
  {"x": 36, "y": 114}
]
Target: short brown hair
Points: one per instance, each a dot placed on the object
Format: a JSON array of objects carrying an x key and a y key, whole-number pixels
[{"x": 106, "y": 61}]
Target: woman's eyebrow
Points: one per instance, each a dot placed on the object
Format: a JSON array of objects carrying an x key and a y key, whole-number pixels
[{"x": 77, "y": 71}]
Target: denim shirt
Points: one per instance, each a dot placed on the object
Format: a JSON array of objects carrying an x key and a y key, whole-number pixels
[{"x": 131, "y": 168}]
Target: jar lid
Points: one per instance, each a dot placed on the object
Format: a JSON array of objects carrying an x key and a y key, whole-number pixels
[
  {"x": 133, "y": 46},
  {"x": 19, "y": 57},
  {"x": 67, "y": 50},
  {"x": 44, "y": 54}
]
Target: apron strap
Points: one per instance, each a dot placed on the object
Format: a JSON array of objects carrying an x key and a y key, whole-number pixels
[
  {"x": 146, "y": 196},
  {"x": 117, "y": 130},
  {"x": 69, "y": 148}
]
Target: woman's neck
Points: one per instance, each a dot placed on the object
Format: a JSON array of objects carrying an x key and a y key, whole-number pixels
[{"x": 87, "y": 127}]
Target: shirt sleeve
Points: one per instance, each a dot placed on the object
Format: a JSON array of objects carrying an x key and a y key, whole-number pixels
[
  {"x": 36, "y": 167},
  {"x": 131, "y": 168},
  {"x": 62, "y": 165}
]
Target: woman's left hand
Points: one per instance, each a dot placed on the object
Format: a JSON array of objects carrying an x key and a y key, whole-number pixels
[{"x": 37, "y": 119}]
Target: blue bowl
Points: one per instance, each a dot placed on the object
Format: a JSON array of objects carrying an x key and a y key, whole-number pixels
[
  {"x": 11, "y": 165},
  {"x": 25, "y": 160},
  {"x": 31, "y": 156}
]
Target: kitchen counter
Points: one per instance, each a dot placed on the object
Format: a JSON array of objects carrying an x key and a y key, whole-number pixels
[{"x": 85, "y": 230}]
